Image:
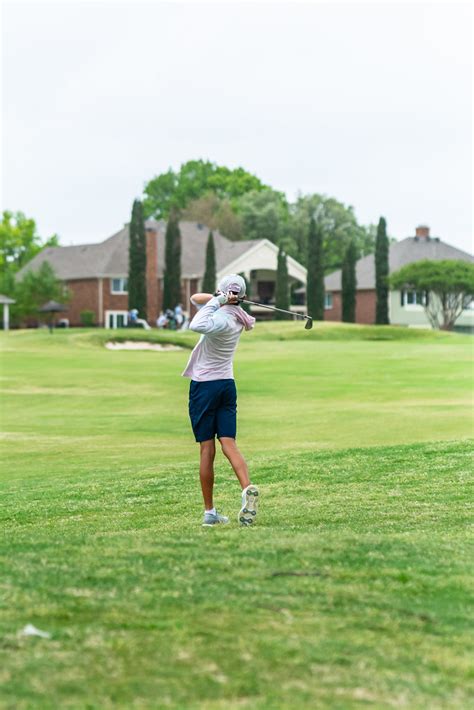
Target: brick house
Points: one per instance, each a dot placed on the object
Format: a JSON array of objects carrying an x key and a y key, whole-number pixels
[
  {"x": 405, "y": 307},
  {"x": 96, "y": 274}
]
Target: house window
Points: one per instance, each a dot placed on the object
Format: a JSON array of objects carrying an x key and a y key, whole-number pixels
[
  {"x": 413, "y": 298},
  {"x": 468, "y": 303},
  {"x": 327, "y": 301},
  {"x": 119, "y": 286}
]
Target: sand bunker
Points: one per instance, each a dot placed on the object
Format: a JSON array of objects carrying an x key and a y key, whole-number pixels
[{"x": 141, "y": 345}]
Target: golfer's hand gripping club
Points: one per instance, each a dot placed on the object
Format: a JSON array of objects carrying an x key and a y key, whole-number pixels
[{"x": 228, "y": 297}]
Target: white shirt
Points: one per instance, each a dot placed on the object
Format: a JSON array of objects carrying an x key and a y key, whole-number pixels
[{"x": 212, "y": 358}]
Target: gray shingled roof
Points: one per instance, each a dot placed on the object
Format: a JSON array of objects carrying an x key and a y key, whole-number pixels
[
  {"x": 193, "y": 248},
  {"x": 401, "y": 253},
  {"x": 110, "y": 258}
]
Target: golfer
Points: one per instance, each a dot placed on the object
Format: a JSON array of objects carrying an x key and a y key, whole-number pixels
[{"x": 212, "y": 393}]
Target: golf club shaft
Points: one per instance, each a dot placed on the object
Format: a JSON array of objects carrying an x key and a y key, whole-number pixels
[{"x": 272, "y": 308}]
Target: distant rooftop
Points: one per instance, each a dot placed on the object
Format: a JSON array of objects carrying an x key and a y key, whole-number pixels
[
  {"x": 110, "y": 257},
  {"x": 408, "y": 250}
]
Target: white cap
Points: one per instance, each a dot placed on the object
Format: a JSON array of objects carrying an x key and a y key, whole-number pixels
[{"x": 233, "y": 282}]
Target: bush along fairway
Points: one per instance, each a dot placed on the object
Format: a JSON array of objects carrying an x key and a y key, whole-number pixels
[{"x": 352, "y": 591}]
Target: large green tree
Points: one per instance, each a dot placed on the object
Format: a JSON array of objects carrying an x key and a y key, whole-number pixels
[
  {"x": 263, "y": 214},
  {"x": 339, "y": 226},
  {"x": 19, "y": 243},
  {"x": 175, "y": 190},
  {"x": 172, "y": 271},
  {"x": 315, "y": 267},
  {"x": 240, "y": 206},
  {"x": 448, "y": 286},
  {"x": 282, "y": 294},
  {"x": 34, "y": 290},
  {"x": 216, "y": 213},
  {"x": 209, "y": 280},
  {"x": 137, "y": 261},
  {"x": 381, "y": 274},
  {"x": 349, "y": 284}
]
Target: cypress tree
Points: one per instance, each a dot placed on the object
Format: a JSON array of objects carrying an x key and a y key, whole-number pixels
[
  {"x": 209, "y": 280},
  {"x": 349, "y": 284},
  {"x": 172, "y": 271},
  {"x": 137, "y": 261},
  {"x": 282, "y": 297},
  {"x": 177, "y": 263},
  {"x": 381, "y": 274},
  {"x": 315, "y": 266}
]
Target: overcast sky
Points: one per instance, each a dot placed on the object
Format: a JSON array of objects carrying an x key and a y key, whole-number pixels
[{"x": 369, "y": 103}]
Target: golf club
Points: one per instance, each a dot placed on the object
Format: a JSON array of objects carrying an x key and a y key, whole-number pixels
[{"x": 309, "y": 320}]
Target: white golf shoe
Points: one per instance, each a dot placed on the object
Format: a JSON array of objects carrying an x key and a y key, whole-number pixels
[
  {"x": 249, "y": 509},
  {"x": 211, "y": 519}
]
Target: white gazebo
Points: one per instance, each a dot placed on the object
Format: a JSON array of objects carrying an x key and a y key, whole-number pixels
[{"x": 6, "y": 310}]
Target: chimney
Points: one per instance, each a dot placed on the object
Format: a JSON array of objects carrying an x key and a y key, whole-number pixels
[
  {"x": 151, "y": 235},
  {"x": 423, "y": 232}
]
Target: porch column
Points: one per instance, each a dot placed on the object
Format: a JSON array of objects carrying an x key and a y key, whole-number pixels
[
  {"x": 100, "y": 315},
  {"x": 6, "y": 316}
]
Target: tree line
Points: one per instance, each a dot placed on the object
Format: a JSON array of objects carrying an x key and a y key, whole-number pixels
[
  {"x": 232, "y": 201},
  {"x": 241, "y": 207},
  {"x": 319, "y": 231},
  {"x": 315, "y": 262}
]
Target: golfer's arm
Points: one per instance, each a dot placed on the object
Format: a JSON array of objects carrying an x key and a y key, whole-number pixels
[
  {"x": 200, "y": 299},
  {"x": 208, "y": 319}
]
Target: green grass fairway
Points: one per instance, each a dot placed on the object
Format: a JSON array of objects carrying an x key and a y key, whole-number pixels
[{"x": 353, "y": 591}]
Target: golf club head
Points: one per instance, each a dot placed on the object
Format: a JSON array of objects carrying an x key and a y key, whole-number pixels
[{"x": 309, "y": 323}]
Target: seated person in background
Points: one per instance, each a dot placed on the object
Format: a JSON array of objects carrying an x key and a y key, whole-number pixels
[
  {"x": 162, "y": 320},
  {"x": 171, "y": 319},
  {"x": 178, "y": 315}
]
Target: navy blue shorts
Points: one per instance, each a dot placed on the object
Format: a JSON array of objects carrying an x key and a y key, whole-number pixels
[{"x": 213, "y": 409}]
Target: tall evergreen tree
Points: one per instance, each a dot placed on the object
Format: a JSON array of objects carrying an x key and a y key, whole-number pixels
[
  {"x": 315, "y": 266},
  {"x": 381, "y": 273},
  {"x": 172, "y": 271},
  {"x": 177, "y": 262},
  {"x": 349, "y": 284},
  {"x": 137, "y": 261},
  {"x": 209, "y": 280},
  {"x": 282, "y": 296}
]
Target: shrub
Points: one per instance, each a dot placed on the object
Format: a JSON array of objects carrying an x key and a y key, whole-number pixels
[{"x": 87, "y": 318}]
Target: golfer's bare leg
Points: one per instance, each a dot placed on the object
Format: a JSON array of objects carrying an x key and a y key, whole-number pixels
[
  {"x": 237, "y": 461},
  {"x": 206, "y": 471}
]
